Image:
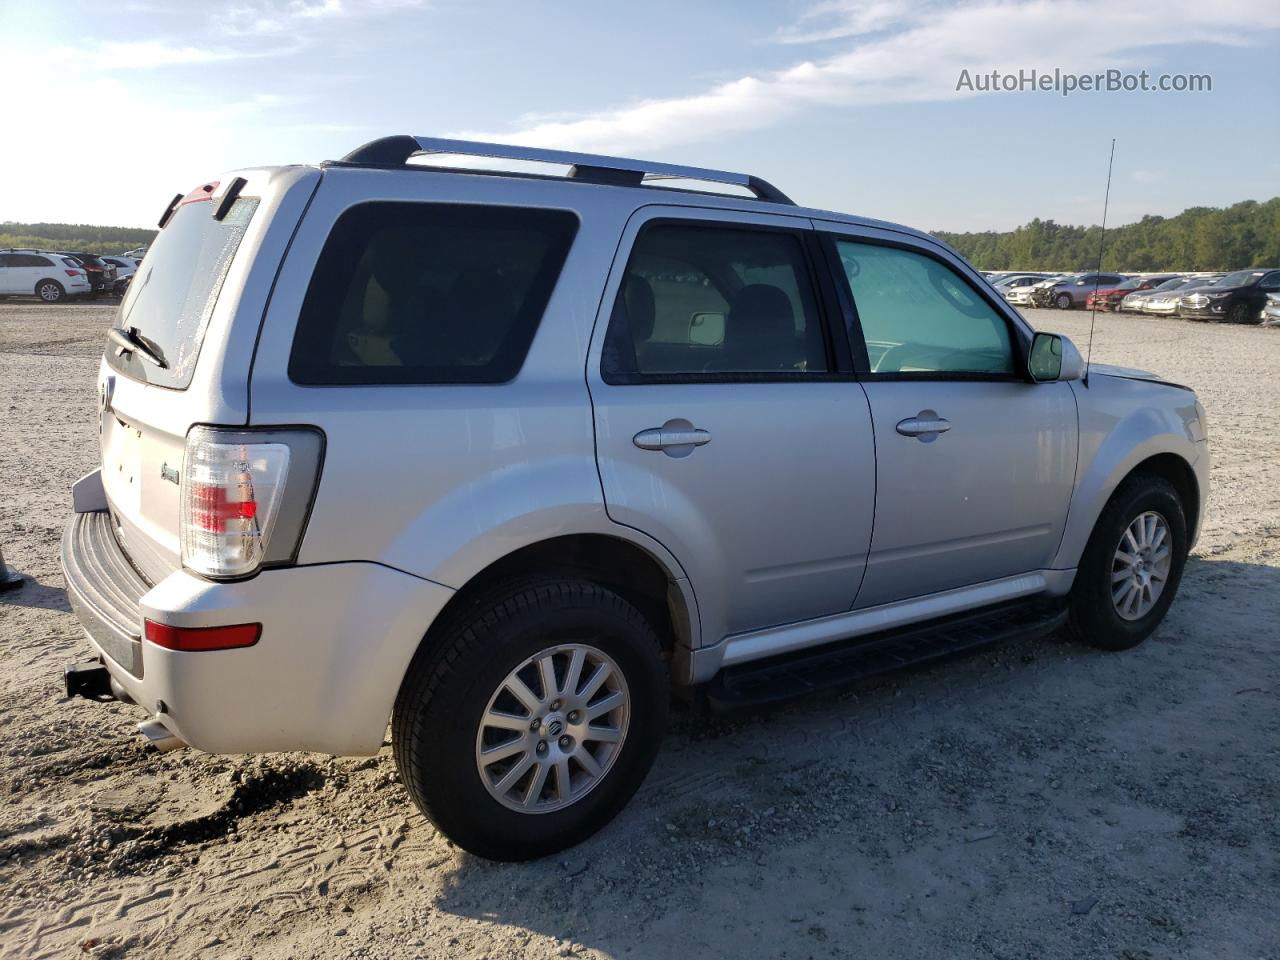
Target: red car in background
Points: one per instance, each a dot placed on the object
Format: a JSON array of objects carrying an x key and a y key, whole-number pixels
[{"x": 1108, "y": 298}]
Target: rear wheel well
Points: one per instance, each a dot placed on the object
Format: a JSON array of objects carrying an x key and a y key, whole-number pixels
[
  {"x": 1178, "y": 472},
  {"x": 611, "y": 562}
]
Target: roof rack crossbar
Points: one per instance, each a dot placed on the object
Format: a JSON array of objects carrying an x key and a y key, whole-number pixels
[{"x": 393, "y": 151}]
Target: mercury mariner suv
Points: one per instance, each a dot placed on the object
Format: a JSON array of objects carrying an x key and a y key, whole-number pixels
[{"x": 503, "y": 460}]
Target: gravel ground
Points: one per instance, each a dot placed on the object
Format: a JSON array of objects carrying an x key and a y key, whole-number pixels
[{"x": 1033, "y": 800}]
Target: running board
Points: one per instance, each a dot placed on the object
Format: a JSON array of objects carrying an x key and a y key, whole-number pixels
[{"x": 773, "y": 680}]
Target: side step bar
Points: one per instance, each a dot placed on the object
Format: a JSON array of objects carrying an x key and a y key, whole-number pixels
[{"x": 781, "y": 678}]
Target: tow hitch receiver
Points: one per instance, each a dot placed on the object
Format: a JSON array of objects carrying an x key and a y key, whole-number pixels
[{"x": 89, "y": 680}]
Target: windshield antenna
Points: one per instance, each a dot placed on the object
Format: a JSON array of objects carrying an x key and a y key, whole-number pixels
[{"x": 1102, "y": 242}]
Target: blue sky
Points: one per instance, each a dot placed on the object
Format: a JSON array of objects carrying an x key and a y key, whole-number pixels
[{"x": 844, "y": 104}]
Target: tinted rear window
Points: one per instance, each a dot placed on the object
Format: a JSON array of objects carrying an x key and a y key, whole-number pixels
[
  {"x": 173, "y": 293},
  {"x": 428, "y": 293}
]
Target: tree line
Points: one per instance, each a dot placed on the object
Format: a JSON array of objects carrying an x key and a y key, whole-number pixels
[
  {"x": 73, "y": 236},
  {"x": 1245, "y": 234}
]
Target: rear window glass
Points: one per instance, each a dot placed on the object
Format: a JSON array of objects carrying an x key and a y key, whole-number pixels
[
  {"x": 172, "y": 295},
  {"x": 428, "y": 293}
]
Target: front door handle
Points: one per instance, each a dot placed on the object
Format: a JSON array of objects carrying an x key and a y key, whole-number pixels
[
  {"x": 926, "y": 425},
  {"x": 675, "y": 438}
]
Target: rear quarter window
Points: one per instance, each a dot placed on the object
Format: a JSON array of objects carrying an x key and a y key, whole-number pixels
[{"x": 420, "y": 293}]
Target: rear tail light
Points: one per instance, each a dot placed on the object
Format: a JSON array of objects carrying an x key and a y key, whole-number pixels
[
  {"x": 231, "y": 495},
  {"x": 203, "y": 638},
  {"x": 73, "y": 273}
]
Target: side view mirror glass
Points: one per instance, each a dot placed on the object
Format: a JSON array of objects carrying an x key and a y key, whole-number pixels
[
  {"x": 1044, "y": 363},
  {"x": 1054, "y": 357},
  {"x": 706, "y": 328}
]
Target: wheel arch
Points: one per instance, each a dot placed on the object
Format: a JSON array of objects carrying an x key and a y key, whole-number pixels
[
  {"x": 1089, "y": 503},
  {"x": 656, "y": 585},
  {"x": 1181, "y": 477}
]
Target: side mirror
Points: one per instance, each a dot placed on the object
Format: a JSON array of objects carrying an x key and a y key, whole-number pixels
[
  {"x": 706, "y": 328},
  {"x": 1054, "y": 357}
]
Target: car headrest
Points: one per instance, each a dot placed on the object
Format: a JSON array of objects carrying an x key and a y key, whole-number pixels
[
  {"x": 637, "y": 294},
  {"x": 760, "y": 317}
]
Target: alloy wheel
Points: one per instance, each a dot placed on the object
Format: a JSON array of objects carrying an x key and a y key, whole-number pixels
[
  {"x": 553, "y": 728},
  {"x": 1141, "y": 564}
]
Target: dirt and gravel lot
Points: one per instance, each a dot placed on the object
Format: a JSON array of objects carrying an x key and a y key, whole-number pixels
[{"x": 1033, "y": 800}]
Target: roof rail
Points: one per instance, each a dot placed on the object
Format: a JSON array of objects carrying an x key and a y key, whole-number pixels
[{"x": 591, "y": 168}]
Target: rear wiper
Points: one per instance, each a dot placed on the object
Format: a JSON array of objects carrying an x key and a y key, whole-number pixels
[{"x": 130, "y": 341}]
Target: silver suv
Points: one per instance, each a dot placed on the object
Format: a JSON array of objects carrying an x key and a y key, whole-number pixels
[{"x": 501, "y": 459}]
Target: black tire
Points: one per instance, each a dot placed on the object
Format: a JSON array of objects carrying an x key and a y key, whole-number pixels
[
  {"x": 1241, "y": 313},
  {"x": 1092, "y": 616},
  {"x": 448, "y": 687},
  {"x": 1063, "y": 301},
  {"x": 50, "y": 291}
]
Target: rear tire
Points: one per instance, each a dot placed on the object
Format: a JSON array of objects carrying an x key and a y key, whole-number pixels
[
  {"x": 1103, "y": 609},
  {"x": 50, "y": 291},
  {"x": 441, "y": 737}
]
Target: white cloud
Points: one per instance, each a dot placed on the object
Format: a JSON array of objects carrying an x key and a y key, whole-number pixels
[
  {"x": 278, "y": 16},
  {"x": 149, "y": 54},
  {"x": 914, "y": 55},
  {"x": 838, "y": 19}
]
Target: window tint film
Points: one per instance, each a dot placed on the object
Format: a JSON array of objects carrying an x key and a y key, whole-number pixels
[
  {"x": 713, "y": 300},
  {"x": 173, "y": 295},
  {"x": 919, "y": 316},
  {"x": 428, "y": 293}
]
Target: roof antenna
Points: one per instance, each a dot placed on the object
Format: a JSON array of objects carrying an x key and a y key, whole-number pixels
[{"x": 1102, "y": 241}]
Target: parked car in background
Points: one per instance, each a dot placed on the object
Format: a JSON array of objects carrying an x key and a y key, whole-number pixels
[
  {"x": 125, "y": 269},
  {"x": 1071, "y": 293},
  {"x": 102, "y": 275},
  {"x": 1270, "y": 316},
  {"x": 1016, "y": 281},
  {"x": 1237, "y": 298},
  {"x": 1037, "y": 294},
  {"x": 35, "y": 273},
  {"x": 1108, "y": 298},
  {"x": 1135, "y": 301},
  {"x": 124, "y": 266}
]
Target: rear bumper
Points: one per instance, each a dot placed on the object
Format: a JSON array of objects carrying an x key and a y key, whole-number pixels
[{"x": 336, "y": 641}]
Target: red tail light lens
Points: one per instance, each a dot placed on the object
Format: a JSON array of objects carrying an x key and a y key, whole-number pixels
[
  {"x": 73, "y": 273},
  {"x": 192, "y": 639},
  {"x": 231, "y": 495}
]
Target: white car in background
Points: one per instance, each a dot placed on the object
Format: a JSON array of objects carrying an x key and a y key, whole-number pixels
[
  {"x": 50, "y": 276},
  {"x": 125, "y": 266}
]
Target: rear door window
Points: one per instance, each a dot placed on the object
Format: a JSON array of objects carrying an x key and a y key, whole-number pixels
[
  {"x": 418, "y": 293},
  {"x": 173, "y": 295},
  {"x": 714, "y": 302}
]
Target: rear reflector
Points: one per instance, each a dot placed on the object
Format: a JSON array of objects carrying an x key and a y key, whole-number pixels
[{"x": 203, "y": 638}]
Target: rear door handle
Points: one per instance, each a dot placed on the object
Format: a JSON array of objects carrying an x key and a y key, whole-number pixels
[
  {"x": 676, "y": 438},
  {"x": 926, "y": 425}
]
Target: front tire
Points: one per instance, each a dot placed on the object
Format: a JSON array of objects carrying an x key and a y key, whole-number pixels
[
  {"x": 1131, "y": 566},
  {"x": 1063, "y": 301},
  {"x": 50, "y": 291},
  {"x": 1240, "y": 313},
  {"x": 534, "y": 720}
]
